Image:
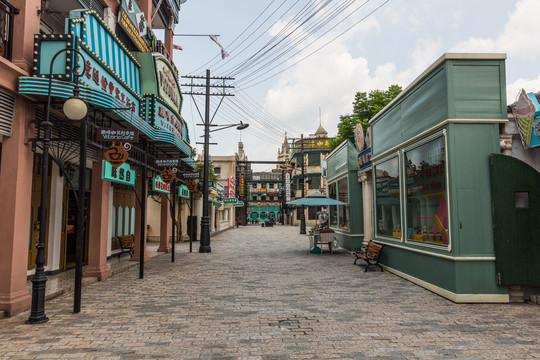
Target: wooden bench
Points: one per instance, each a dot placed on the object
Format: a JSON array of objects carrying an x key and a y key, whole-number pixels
[
  {"x": 370, "y": 253},
  {"x": 126, "y": 244}
]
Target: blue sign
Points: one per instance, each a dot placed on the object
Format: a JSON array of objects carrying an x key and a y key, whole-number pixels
[{"x": 122, "y": 174}]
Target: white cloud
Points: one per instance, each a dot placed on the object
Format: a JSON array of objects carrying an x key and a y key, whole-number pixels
[
  {"x": 518, "y": 39},
  {"x": 530, "y": 85}
]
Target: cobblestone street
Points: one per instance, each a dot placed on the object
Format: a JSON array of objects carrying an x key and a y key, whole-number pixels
[{"x": 259, "y": 295}]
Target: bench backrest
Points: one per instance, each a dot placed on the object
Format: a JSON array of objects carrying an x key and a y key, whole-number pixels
[
  {"x": 126, "y": 240},
  {"x": 373, "y": 250}
]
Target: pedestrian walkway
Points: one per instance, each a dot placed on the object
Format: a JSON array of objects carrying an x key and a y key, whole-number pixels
[
  {"x": 61, "y": 283},
  {"x": 258, "y": 295}
]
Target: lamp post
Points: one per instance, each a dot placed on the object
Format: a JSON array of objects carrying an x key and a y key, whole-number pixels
[
  {"x": 204, "y": 246},
  {"x": 303, "y": 214},
  {"x": 75, "y": 109}
]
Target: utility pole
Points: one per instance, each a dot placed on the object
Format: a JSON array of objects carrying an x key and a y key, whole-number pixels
[
  {"x": 204, "y": 246},
  {"x": 303, "y": 214}
]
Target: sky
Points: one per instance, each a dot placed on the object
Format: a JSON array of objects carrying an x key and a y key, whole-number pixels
[{"x": 334, "y": 48}]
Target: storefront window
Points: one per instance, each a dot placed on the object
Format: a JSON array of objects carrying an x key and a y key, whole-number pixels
[
  {"x": 343, "y": 195},
  {"x": 427, "y": 212},
  {"x": 387, "y": 198},
  {"x": 332, "y": 209}
]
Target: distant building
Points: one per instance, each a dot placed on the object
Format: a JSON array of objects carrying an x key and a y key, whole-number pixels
[{"x": 311, "y": 155}]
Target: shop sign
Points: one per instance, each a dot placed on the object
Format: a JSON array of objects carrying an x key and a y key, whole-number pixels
[
  {"x": 231, "y": 186},
  {"x": 120, "y": 135},
  {"x": 132, "y": 21},
  {"x": 122, "y": 174},
  {"x": 168, "y": 120},
  {"x": 287, "y": 187},
  {"x": 359, "y": 137},
  {"x": 183, "y": 191},
  {"x": 230, "y": 200},
  {"x": 192, "y": 184},
  {"x": 190, "y": 175},
  {"x": 168, "y": 162},
  {"x": 527, "y": 115},
  {"x": 160, "y": 186},
  {"x": 168, "y": 88},
  {"x": 116, "y": 155},
  {"x": 99, "y": 78},
  {"x": 242, "y": 185},
  {"x": 364, "y": 159},
  {"x": 167, "y": 175},
  {"x": 239, "y": 204}
]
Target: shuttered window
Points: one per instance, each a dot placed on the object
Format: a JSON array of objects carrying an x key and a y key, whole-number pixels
[{"x": 7, "y": 110}]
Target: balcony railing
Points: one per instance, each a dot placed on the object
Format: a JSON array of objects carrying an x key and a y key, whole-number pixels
[{"x": 7, "y": 15}]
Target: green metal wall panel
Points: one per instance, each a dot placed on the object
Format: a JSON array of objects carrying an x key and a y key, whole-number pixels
[
  {"x": 469, "y": 187},
  {"x": 436, "y": 271},
  {"x": 477, "y": 277},
  {"x": 386, "y": 133},
  {"x": 478, "y": 89},
  {"x": 515, "y": 191},
  {"x": 425, "y": 107}
]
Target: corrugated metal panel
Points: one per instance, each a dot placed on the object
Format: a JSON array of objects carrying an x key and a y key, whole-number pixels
[{"x": 7, "y": 112}]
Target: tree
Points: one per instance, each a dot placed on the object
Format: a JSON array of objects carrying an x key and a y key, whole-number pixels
[{"x": 365, "y": 106}]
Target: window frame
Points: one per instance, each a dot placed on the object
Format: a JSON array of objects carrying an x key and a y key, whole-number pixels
[
  {"x": 423, "y": 141},
  {"x": 396, "y": 154}
]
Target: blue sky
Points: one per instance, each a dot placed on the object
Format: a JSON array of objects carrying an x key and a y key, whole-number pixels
[{"x": 393, "y": 45}]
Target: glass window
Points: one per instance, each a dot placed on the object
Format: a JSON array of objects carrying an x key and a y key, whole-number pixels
[
  {"x": 427, "y": 212},
  {"x": 343, "y": 195},
  {"x": 387, "y": 198},
  {"x": 332, "y": 209},
  {"x": 217, "y": 170},
  {"x": 315, "y": 182},
  {"x": 314, "y": 159}
]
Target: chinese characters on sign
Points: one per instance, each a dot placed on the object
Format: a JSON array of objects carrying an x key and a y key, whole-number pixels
[
  {"x": 166, "y": 162},
  {"x": 123, "y": 174},
  {"x": 122, "y": 135},
  {"x": 160, "y": 186},
  {"x": 101, "y": 79},
  {"x": 167, "y": 120}
]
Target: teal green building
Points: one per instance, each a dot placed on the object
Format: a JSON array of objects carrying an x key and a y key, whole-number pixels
[
  {"x": 342, "y": 184},
  {"x": 431, "y": 178}
]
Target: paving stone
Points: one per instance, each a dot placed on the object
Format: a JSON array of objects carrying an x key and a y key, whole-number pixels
[{"x": 258, "y": 295}]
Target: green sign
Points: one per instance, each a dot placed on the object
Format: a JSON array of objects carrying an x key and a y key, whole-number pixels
[
  {"x": 239, "y": 204},
  {"x": 160, "y": 186},
  {"x": 183, "y": 191},
  {"x": 122, "y": 174},
  {"x": 231, "y": 200}
]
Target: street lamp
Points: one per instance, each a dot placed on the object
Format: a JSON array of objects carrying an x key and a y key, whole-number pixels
[
  {"x": 74, "y": 109},
  {"x": 204, "y": 246}
]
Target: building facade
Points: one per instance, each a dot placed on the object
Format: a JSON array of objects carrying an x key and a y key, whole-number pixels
[
  {"x": 310, "y": 153},
  {"x": 129, "y": 83}
]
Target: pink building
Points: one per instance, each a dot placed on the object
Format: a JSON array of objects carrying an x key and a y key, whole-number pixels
[{"x": 129, "y": 82}]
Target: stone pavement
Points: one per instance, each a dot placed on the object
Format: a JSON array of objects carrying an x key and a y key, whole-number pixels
[{"x": 258, "y": 295}]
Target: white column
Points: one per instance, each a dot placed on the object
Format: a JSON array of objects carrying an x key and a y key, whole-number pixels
[
  {"x": 54, "y": 245},
  {"x": 367, "y": 197}
]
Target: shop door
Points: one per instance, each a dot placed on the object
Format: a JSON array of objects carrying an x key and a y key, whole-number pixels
[
  {"x": 515, "y": 197},
  {"x": 69, "y": 230},
  {"x": 35, "y": 212}
]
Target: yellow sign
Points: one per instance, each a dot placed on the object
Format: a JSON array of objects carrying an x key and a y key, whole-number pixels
[{"x": 130, "y": 28}]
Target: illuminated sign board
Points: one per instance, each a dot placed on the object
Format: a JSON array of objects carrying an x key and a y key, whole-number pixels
[
  {"x": 168, "y": 120},
  {"x": 168, "y": 88},
  {"x": 129, "y": 18},
  {"x": 122, "y": 174}
]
